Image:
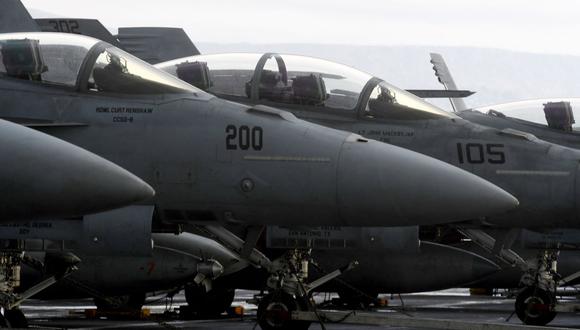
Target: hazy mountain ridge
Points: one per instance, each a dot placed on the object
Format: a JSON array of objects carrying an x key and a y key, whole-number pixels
[{"x": 496, "y": 75}]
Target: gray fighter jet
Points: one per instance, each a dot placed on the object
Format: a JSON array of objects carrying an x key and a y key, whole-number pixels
[
  {"x": 122, "y": 96},
  {"x": 557, "y": 127},
  {"x": 44, "y": 177},
  {"x": 213, "y": 161},
  {"x": 296, "y": 98},
  {"x": 342, "y": 97}
]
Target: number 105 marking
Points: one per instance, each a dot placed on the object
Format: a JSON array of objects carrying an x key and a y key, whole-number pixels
[{"x": 477, "y": 153}]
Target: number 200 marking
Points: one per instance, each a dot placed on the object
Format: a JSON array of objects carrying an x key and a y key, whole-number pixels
[{"x": 244, "y": 138}]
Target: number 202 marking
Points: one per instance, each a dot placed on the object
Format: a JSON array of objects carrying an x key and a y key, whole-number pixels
[
  {"x": 476, "y": 153},
  {"x": 62, "y": 25},
  {"x": 244, "y": 138}
]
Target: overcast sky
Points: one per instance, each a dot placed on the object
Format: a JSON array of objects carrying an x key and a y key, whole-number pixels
[{"x": 539, "y": 26}]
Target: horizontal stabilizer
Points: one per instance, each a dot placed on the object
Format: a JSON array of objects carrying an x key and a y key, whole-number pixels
[
  {"x": 88, "y": 27},
  {"x": 15, "y": 18},
  {"x": 156, "y": 44},
  {"x": 437, "y": 93}
]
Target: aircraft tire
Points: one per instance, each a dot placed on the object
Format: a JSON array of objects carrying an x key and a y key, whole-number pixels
[
  {"x": 274, "y": 312},
  {"x": 208, "y": 304},
  {"x": 15, "y": 318},
  {"x": 532, "y": 306}
]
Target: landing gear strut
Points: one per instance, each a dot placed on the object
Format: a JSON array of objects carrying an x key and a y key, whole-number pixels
[
  {"x": 536, "y": 300},
  {"x": 11, "y": 257},
  {"x": 286, "y": 284},
  {"x": 289, "y": 291}
]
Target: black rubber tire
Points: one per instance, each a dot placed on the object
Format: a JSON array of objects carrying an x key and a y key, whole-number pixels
[
  {"x": 526, "y": 306},
  {"x": 274, "y": 312},
  {"x": 208, "y": 304},
  {"x": 133, "y": 302},
  {"x": 16, "y": 318}
]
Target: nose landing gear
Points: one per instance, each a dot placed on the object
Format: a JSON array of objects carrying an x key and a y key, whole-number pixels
[
  {"x": 289, "y": 291},
  {"x": 536, "y": 301}
]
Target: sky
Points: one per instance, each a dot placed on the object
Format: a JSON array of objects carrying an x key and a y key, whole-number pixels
[{"x": 524, "y": 25}]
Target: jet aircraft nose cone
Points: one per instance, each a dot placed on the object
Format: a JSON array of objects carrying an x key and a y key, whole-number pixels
[
  {"x": 112, "y": 186},
  {"x": 392, "y": 186},
  {"x": 42, "y": 176}
]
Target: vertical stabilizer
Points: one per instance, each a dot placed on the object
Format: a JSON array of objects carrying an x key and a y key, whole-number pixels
[
  {"x": 15, "y": 18},
  {"x": 88, "y": 27},
  {"x": 444, "y": 76},
  {"x": 156, "y": 44}
]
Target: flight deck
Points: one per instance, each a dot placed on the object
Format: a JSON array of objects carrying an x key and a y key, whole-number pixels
[{"x": 448, "y": 309}]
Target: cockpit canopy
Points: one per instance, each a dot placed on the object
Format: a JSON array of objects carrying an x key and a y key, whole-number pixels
[
  {"x": 563, "y": 114},
  {"x": 82, "y": 63},
  {"x": 291, "y": 80}
]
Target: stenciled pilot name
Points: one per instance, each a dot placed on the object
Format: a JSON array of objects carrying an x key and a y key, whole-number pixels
[{"x": 124, "y": 110}]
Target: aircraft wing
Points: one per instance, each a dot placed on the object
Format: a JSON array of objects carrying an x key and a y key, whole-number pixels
[{"x": 444, "y": 76}]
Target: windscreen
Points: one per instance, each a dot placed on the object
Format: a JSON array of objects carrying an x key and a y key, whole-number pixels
[
  {"x": 388, "y": 101},
  {"x": 116, "y": 71}
]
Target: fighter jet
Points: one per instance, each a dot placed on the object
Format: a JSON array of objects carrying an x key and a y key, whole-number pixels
[
  {"x": 307, "y": 93},
  {"x": 345, "y": 98},
  {"x": 214, "y": 161},
  {"x": 44, "y": 177},
  {"x": 39, "y": 64},
  {"x": 557, "y": 126},
  {"x": 342, "y": 97}
]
